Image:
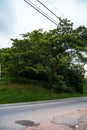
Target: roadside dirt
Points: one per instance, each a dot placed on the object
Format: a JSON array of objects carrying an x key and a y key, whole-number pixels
[{"x": 76, "y": 120}]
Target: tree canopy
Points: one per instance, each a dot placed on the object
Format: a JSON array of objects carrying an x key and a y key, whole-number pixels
[{"x": 56, "y": 57}]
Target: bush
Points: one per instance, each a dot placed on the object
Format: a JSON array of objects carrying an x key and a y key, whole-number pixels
[
  {"x": 75, "y": 80},
  {"x": 68, "y": 79}
]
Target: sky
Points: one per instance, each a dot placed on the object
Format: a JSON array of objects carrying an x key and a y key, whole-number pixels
[{"x": 17, "y": 17}]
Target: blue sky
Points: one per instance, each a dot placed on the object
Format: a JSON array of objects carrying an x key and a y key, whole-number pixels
[
  {"x": 7, "y": 17},
  {"x": 16, "y": 17}
]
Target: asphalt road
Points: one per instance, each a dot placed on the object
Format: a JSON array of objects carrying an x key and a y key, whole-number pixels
[{"x": 11, "y": 114}]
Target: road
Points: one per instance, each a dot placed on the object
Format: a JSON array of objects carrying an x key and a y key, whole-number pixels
[{"x": 37, "y": 112}]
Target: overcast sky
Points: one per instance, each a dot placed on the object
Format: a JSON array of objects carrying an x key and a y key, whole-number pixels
[{"x": 17, "y": 17}]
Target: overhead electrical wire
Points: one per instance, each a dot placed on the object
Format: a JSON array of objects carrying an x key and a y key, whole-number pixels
[
  {"x": 48, "y": 9},
  {"x": 41, "y": 11},
  {"x": 56, "y": 8}
]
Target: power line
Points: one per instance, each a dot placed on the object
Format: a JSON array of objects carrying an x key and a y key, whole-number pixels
[
  {"x": 56, "y": 8},
  {"x": 48, "y": 9},
  {"x": 41, "y": 11}
]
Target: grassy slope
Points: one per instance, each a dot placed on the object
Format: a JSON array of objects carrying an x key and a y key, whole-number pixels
[{"x": 17, "y": 92}]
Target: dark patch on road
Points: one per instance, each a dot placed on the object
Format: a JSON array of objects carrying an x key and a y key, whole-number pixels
[{"x": 26, "y": 123}]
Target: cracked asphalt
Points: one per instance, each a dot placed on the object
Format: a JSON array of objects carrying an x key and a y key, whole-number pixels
[
  {"x": 40, "y": 112},
  {"x": 76, "y": 120}
]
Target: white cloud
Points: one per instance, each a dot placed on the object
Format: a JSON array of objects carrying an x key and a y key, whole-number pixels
[
  {"x": 28, "y": 19},
  {"x": 23, "y": 18},
  {"x": 4, "y": 41}
]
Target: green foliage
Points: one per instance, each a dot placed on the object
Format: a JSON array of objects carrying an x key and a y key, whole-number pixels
[
  {"x": 20, "y": 92},
  {"x": 49, "y": 56},
  {"x": 75, "y": 80}
]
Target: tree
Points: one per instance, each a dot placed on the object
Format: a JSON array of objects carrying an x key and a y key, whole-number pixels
[
  {"x": 66, "y": 49},
  {"x": 56, "y": 56}
]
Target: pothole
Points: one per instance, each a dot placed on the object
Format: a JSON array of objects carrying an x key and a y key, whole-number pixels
[{"x": 27, "y": 123}]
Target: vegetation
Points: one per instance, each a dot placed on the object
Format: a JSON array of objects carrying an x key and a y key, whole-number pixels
[
  {"x": 56, "y": 58},
  {"x": 15, "y": 92}
]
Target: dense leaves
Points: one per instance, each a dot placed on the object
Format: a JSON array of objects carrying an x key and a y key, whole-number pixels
[{"x": 57, "y": 57}]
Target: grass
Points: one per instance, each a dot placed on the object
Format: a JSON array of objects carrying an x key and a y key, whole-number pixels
[{"x": 11, "y": 92}]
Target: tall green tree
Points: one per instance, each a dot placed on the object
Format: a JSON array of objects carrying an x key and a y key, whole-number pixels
[{"x": 57, "y": 56}]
